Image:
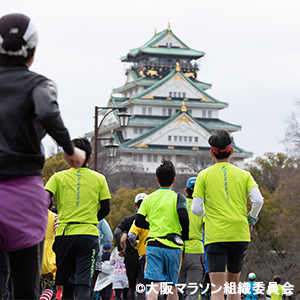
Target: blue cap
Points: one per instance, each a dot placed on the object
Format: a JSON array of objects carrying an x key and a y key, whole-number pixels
[
  {"x": 191, "y": 182},
  {"x": 107, "y": 246}
]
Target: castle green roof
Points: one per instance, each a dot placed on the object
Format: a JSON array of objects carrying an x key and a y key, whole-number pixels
[{"x": 151, "y": 47}]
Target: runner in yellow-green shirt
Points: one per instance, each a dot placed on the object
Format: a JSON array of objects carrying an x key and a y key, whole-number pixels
[
  {"x": 79, "y": 192},
  {"x": 193, "y": 266},
  {"x": 276, "y": 291},
  {"x": 169, "y": 226},
  {"x": 223, "y": 189}
]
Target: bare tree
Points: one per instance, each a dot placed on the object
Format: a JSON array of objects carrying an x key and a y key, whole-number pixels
[
  {"x": 292, "y": 132},
  {"x": 198, "y": 162}
]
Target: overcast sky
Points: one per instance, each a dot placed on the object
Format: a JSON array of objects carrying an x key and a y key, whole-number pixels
[{"x": 252, "y": 55}]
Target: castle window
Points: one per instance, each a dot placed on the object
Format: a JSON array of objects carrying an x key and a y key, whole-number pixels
[
  {"x": 140, "y": 157},
  {"x": 170, "y": 112},
  {"x": 190, "y": 139},
  {"x": 179, "y": 94},
  {"x": 196, "y": 139},
  {"x": 185, "y": 138},
  {"x": 183, "y": 95},
  {"x": 164, "y": 111},
  {"x": 209, "y": 113},
  {"x": 135, "y": 157},
  {"x": 140, "y": 130},
  {"x": 180, "y": 138},
  {"x": 135, "y": 130},
  {"x": 175, "y": 138},
  {"x": 170, "y": 94},
  {"x": 203, "y": 113},
  {"x": 149, "y": 158},
  {"x": 154, "y": 158},
  {"x": 175, "y": 94},
  {"x": 144, "y": 110},
  {"x": 149, "y": 111},
  {"x": 169, "y": 138},
  {"x": 189, "y": 111}
]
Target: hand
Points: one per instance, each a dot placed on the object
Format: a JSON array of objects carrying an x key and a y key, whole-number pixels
[
  {"x": 121, "y": 253},
  {"x": 250, "y": 228},
  {"x": 77, "y": 159},
  {"x": 251, "y": 220}
]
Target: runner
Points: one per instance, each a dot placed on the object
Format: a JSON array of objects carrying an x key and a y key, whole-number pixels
[
  {"x": 278, "y": 292},
  {"x": 252, "y": 288},
  {"x": 29, "y": 110},
  {"x": 49, "y": 264},
  {"x": 140, "y": 234},
  {"x": 193, "y": 269},
  {"x": 169, "y": 226},
  {"x": 223, "y": 188},
  {"x": 79, "y": 193},
  {"x": 130, "y": 253}
]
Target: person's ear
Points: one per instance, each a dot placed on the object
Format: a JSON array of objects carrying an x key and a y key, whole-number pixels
[
  {"x": 231, "y": 151},
  {"x": 211, "y": 153},
  {"x": 32, "y": 58},
  {"x": 89, "y": 160}
]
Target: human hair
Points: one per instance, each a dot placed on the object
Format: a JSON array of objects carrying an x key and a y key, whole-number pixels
[
  {"x": 139, "y": 203},
  {"x": 84, "y": 144},
  {"x": 7, "y": 60},
  {"x": 220, "y": 140},
  {"x": 277, "y": 279},
  {"x": 165, "y": 173},
  {"x": 189, "y": 192}
]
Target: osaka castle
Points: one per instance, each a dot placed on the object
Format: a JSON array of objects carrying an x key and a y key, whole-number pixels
[{"x": 172, "y": 112}]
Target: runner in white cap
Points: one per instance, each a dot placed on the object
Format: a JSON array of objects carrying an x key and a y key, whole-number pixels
[{"x": 28, "y": 111}]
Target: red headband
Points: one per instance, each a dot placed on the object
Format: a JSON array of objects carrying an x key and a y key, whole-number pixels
[{"x": 217, "y": 150}]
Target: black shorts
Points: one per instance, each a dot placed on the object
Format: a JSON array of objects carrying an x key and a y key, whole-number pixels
[
  {"x": 75, "y": 259},
  {"x": 222, "y": 254}
]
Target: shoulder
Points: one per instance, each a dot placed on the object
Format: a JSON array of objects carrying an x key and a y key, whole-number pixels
[
  {"x": 242, "y": 172},
  {"x": 94, "y": 174},
  {"x": 41, "y": 81},
  {"x": 128, "y": 219},
  {"x": 204, "y": 172}
]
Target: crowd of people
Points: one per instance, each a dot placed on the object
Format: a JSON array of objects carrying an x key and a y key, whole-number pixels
[{"x": 69, "y": 254}]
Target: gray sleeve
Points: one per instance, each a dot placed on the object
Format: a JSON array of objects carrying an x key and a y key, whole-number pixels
[
  {"x": 132, "y": 239},
  {"x": 181, "y": 201},
  {"x": 46, "y": 109}
]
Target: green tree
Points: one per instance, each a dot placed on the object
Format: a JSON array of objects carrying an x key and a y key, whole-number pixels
[
  {"x": 53, "y": 164},
  {"x": 269, "y": 170},
  {"x": 275, "y": 240}
]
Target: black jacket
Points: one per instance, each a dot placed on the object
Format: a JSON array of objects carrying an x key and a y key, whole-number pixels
[
  {"x": 131, "y": 254},
  {"x": 28, "y": 110}
]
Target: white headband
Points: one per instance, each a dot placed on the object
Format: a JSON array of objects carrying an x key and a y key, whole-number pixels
[{"x": 30, "y": 37}]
